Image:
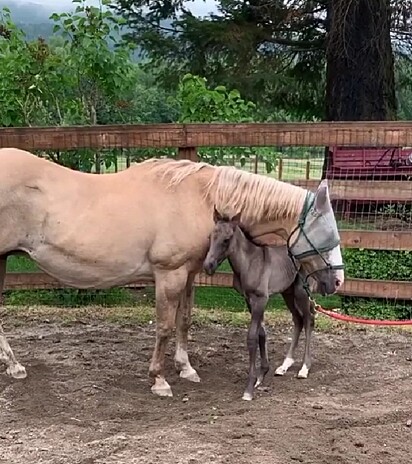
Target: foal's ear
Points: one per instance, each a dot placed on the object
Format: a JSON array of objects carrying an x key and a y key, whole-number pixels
[
  {"x": 216, "y": 215},
  {"x": 236, "y": 218}
]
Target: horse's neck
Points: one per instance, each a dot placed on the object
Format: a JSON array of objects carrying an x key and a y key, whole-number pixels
[{"x": 270, "y": 230}]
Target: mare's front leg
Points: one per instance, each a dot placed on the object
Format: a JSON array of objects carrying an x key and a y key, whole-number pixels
[
  {"x": 183, "y": 323},
  {"x": 289, "y": 297},
  {"x": 169, "y": 288},
  {"x": 257, "y": 305},
  {"x": 14, "y": 368}
]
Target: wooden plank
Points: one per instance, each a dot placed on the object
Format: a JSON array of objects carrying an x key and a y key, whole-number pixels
[
  {"x": 351, "y": 190},
  {"x": 377, "y": 289},
  {"x": 313, "y": 134},
  {"x": 377, "y": 239},
  {"x": 97, "y": 137},
  {"x": 352, "y": 287},
  {"x": 366, "y": 133},
  {"x": 368, "y": 239}
]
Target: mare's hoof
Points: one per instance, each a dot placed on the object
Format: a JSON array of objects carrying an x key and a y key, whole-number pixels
[
  {"x": 161, "y": 388},
  {"x": 17, "y": 371},
  {"x": 163, "y": 392},
  {"x": 247, "y": 396},
  {"x": 190, "y": 375}
]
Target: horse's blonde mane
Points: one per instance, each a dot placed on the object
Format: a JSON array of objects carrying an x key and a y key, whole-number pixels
[
  {"x": 175, "y": 170},
  {"x": 257, "y": 197}
]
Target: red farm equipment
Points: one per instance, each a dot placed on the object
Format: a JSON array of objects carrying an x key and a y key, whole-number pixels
[
  {"x": 366, "y": 164},
  {"x": 356, "y": 163}
]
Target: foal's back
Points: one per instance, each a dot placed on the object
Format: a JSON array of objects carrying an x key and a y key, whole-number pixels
[{"x": 262, "y": 264}]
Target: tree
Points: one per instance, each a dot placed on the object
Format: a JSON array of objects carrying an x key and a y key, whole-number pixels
[
  {"x": 273, "y": 51},
  {"x": 103, "y": 73},
  {"x": 360, "y": 82},
  {"x": 199, "y": 103}
]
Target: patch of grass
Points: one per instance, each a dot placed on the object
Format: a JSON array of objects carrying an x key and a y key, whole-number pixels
[
  {"x": 145, "y": 315},
  {"x": 21, "y": 264},
  {"x": 70, "y": 297}
]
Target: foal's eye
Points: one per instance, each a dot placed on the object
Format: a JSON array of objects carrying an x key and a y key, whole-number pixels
[{"x": 226, "y": 241}]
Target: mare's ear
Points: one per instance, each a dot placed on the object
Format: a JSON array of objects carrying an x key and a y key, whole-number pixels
[
  {"x": 322, "y": 199},
  {"x": 216, "y": 215},
  {"x": 236, "y": 218}
]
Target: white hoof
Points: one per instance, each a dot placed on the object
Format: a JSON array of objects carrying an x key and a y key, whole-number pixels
[
  {"x": 161, "y": 388},
  {"x": 190, "y": 375},
  {"x": 280, "y": 371},
  {"x": 17, "y": 371},
  {"x": 258, "y": 382},
  {"x": 303, "y": 373},
  {"x": 247, "y": 397}
]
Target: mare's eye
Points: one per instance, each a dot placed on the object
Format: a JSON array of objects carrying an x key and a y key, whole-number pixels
[{"x": 226, "y": 241}]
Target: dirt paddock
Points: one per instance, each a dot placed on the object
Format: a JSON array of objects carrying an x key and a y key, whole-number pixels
[{"x": 87, "y": 400}]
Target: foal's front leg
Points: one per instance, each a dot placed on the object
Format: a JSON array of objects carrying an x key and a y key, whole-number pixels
[
  {"x": 14, "y": 368},
  {"x": 289, "y": 297},
  {"x": 309, "y": 323},
  {"x": 257, "y": 307},
  {"x": 264, "y": 359}
]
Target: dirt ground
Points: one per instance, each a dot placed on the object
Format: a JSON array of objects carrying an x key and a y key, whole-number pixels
[{"x": 87, "y": 400}]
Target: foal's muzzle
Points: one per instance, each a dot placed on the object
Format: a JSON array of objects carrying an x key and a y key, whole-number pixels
[{"x": 210, "y": 268}]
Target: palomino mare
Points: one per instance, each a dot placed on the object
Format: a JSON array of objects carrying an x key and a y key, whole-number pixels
[
  {"x": 258, "y": 273},
  {"x": 151, "y": 220}
]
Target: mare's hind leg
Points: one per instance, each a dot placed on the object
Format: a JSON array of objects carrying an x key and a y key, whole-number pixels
[
  {"x": 257, "y": 305},
  {"x": 289, "y": 297},
  {"x": 169, "y": 288},
  {"x": 14, "y": 368},
  {"x": 183, "y": 323},
  {"x": 303, "y": 303}
]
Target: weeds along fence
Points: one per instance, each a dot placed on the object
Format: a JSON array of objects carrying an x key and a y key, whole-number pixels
[{"x": 369, "y": 171}]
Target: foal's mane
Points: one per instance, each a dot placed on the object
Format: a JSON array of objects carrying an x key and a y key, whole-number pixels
[{"x": 258, "y": 197}]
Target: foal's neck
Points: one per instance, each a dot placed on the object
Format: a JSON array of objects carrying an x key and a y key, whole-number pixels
[{"x": 241, "y": 251}]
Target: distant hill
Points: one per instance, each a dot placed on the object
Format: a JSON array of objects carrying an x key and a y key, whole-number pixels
[{"x": 33, "y": 18}]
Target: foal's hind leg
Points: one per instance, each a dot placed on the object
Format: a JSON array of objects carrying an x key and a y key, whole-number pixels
[
  {"x": 183, "y": 323},
  {"x": 289, "y": 360},
  {"x": 257, "y": 305},
  {"x": 169, "y": 288},
  {"x": 304, "y": 306},
  {"x": 14, "y": 368},
  {"x": 264, "y": 359}
]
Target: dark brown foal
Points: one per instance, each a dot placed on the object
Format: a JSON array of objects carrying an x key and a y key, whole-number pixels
[{"x": 260, "y": 272}]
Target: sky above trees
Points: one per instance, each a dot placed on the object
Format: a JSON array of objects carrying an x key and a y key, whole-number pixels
[{"x": 199, "y": 7}]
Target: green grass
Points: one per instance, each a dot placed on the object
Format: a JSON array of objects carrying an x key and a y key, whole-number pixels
[
  {"x": 21, "y": 264},
  {"x": 293, "y": 168}
]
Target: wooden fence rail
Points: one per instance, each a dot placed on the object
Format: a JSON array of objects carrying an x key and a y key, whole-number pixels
[
  {"x": 351, "y": 287},
  {"x": 319, "y": 134}
]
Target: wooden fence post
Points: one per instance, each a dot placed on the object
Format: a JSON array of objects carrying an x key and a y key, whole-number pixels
[
  {"x": 307, "y": 169},
  {"x": 280, "y": 169},
  {"x": 188, "y": 153}
]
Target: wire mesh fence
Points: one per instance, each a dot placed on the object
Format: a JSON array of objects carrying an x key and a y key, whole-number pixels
[{"x": 368, "y": 165}]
